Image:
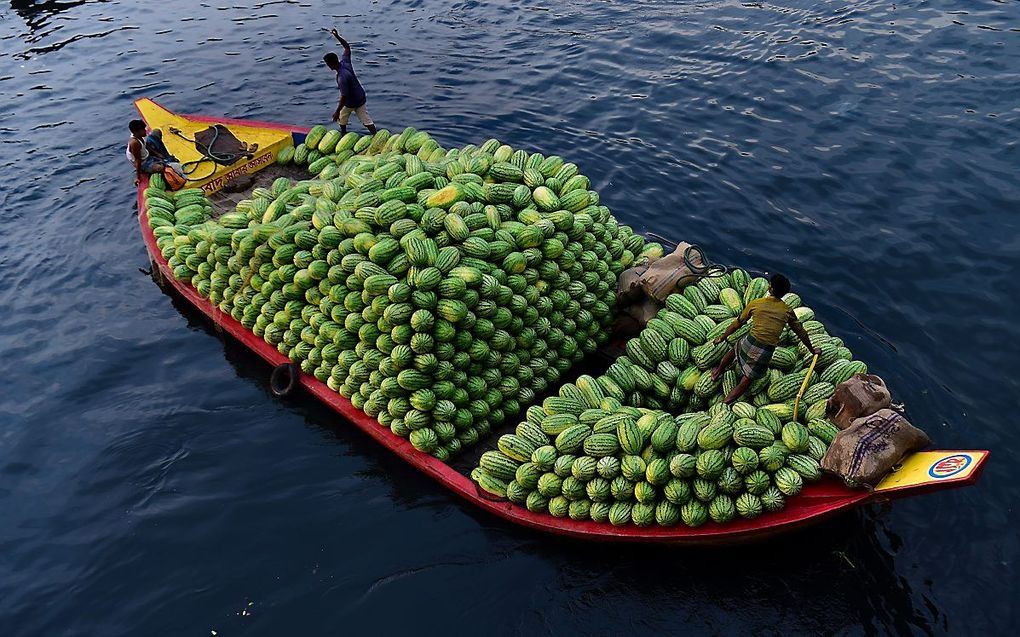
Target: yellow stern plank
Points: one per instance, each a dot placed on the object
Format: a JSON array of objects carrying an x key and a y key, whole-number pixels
[
  {"x": 932, "y": 468},
  {"x": 209, "y": 175}
]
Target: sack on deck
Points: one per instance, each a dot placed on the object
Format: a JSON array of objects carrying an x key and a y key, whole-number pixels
[
  {"x": 658, "y": 278},
  {"x": 670, "y": 274},
  {"x": 628, "y": 285},
  {"x": 862, "y": 395},
  {"x": 221, "y": 145},
  {"x": 635, "y": 309},
  {"x": 866, "y": 451},
  {"x": 643, "y": 312}
]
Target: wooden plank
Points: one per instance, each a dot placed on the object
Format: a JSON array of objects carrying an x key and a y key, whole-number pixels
[{"x": 933, "y": 470}]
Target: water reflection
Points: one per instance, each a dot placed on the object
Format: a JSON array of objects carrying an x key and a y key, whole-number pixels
[{"x": 37, "y": 14}]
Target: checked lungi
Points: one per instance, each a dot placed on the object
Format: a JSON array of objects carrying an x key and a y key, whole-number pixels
[{"x": 753, "y": 357}]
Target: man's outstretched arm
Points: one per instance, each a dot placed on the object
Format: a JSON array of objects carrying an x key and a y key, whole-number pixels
[
  {"x": 801, "y": 333},
  {"x": 343, "y": 42}
]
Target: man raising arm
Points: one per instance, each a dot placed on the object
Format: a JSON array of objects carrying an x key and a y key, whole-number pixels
[{"x": 352, "y": 95}]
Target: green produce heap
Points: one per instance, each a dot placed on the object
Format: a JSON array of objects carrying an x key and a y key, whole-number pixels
[
  {"x": 651, "y": 442},
  {"x": 439, "y": 290}
]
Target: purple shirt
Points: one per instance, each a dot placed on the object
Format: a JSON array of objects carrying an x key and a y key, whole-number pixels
[{"x": 348, "y": 83}]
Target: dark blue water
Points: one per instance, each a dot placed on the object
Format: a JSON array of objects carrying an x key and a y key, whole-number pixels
[{"x": 150, "y": 484}]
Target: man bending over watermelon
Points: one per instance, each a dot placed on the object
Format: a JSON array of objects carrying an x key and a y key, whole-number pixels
[
  {"x": 352, "y": 95},
  {"x": 769, "y": 315}
]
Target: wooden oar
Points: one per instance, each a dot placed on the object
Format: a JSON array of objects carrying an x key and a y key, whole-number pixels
[{"x": 803, "y": 386}]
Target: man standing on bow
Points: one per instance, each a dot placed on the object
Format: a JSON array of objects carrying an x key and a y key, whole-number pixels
[{"x": 352, "y": 95}]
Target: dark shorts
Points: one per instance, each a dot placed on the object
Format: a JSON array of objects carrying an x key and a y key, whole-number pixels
[
  {"x": 753, "y": 357},
  {"x": 149, "y": 164}
]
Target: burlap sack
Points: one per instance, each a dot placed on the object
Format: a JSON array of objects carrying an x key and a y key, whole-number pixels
[
  {"x": 628, "y": 324},
  {"x": 628, "y": 285},
  {"x": 223, "y": 146},
  {"x": 862, "y": 395},
  {"x": 669, "y": 274},
  {"x": 866, "y": 451},
  {"x": 644, "y": 311}
]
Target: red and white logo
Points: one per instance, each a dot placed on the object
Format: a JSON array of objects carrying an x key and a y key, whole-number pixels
[{"x": 949, "y": 466}]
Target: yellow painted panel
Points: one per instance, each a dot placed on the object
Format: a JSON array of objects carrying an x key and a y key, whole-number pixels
[
  {"x": 930, "y": 467},
  {"x": 209, "y": 175}
]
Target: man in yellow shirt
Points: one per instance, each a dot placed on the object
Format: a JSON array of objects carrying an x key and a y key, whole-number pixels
[{"x": 768, "y": 315}]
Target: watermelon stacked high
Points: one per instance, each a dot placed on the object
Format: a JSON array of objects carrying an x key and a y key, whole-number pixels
[
  {"x": 440, "y": 291},
  {"x": 651, "y": 442}
]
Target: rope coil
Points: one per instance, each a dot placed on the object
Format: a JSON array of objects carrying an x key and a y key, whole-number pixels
[{"x": 706, "y": 269}]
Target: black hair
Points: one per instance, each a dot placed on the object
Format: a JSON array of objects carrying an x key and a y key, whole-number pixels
[
  {"x": 331, "y": 59},
  {"x": 780, "y": 284},
  {"x": 136, "y": 125}
]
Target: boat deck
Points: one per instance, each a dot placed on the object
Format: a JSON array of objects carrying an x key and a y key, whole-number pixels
[
  {"x": 223, "y": 201},
  {"x": 181, "y": 132}
]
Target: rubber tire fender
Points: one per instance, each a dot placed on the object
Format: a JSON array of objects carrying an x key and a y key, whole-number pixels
[{"x": 284, "y": 379}]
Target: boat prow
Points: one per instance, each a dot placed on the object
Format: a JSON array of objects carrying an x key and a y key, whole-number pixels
[
  {"x": 262, "y": 140},
  {"x": 919, "y": 473}
]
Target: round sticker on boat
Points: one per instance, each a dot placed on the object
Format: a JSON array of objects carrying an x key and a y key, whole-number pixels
[{"x": 949, "y": 466}]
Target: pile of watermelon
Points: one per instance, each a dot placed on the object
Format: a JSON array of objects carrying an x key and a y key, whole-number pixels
[
  {"x": 441, "y": 291},
  {"x": 651, "y": 442}
]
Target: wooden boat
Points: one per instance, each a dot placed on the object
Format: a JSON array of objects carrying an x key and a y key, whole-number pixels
[{"x": 919, "y": 473}]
